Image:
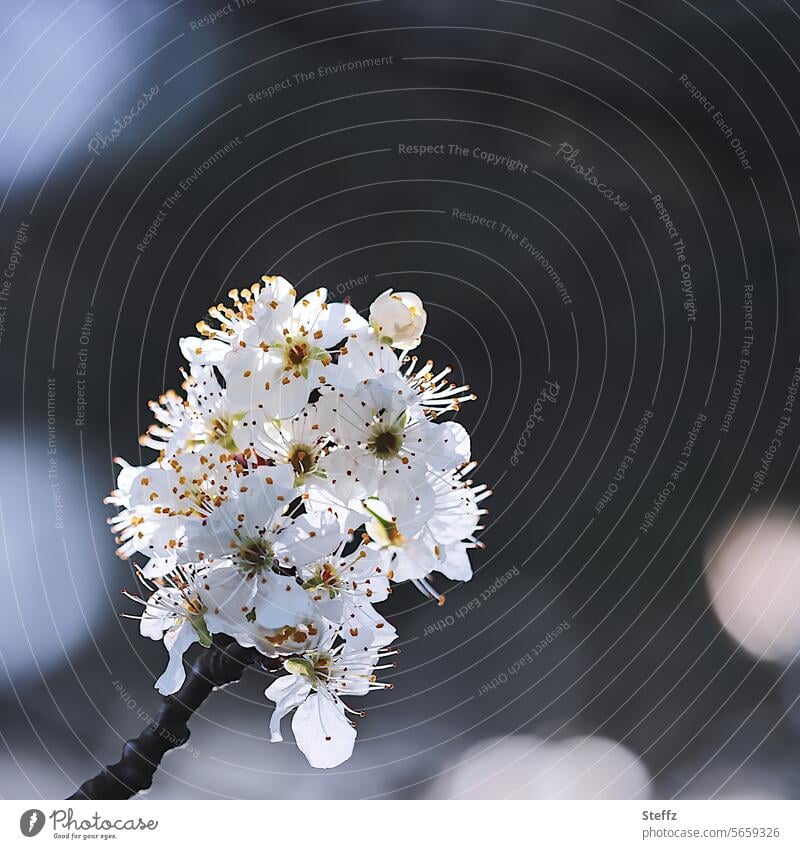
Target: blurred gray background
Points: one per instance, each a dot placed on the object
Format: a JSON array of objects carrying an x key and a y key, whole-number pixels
[{"x": 259, "y": 149}]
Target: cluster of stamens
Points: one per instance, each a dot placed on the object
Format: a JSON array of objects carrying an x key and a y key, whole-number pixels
[{"x": 436, "y": 394}]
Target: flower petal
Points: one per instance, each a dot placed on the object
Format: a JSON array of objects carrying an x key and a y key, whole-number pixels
[
  {"x": 282, "y": 602},
  {"x": 322, "y": 732},
  {"x": 204, "y": 351},
  {"x": 177, "y": 640},
  {"x": 287, "y": 692},
  {"x": 310, "y": 537}
]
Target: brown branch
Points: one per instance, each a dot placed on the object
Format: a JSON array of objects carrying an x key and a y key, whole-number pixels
[{"x": 223, "y": 663}]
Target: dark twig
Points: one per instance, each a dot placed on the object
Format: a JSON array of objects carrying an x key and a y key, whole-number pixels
[{"x": 223, "y": 663}]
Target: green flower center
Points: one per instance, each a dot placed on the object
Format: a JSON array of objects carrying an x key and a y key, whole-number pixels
[
  {"x": 313, "y": 667},
  {"x": 254, "y": 555},
  {"x": 298, "y": 354},
  {"x": 220, "y": 431},
  {"x": 196, "y": 616},
  {"x": 323, "y": 579},
  {"x": 383, "y": 530},
  {"x": 385, "y": 444},
  {"x": 304, "y": 460}
]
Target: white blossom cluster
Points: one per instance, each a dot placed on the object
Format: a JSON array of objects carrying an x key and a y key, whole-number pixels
[{"x": 304, "y": 471}]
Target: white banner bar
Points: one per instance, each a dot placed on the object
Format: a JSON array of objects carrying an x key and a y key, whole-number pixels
[{"x": 349, "y": 824}]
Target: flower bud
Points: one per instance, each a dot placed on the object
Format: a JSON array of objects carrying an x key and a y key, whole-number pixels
[{"x": 399, "y": 319}]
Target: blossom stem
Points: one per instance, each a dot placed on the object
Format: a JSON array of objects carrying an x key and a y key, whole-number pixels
[{"x": 224, "y": 663}]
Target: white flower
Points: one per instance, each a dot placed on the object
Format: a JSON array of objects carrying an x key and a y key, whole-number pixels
[
  {"x": 303, "y": 471},
  {"x": 129, "y": 526},
  {"x": 175, "y": 613},
  {"x": 362, "y": 357},
  {"x": 382, "y": 434},
  {"x": 380, "y": 439},
  {"x": 141, "y": 527},
  {"x": 250, "y": 530},
  {"x": 314, "y": 688},
  {"x": 161, "y": 500},
  {"x": 269, "y": 611},
  {"x": 428, "y": 530},
  {"x": 299, "y": 441},
  {"x": 204, "y": 419},
  {"x": 272, "y": 297},
  {"x": 345, "y": 589},
  {"x": 285, "y": 354},
  {"x": 255, "y": 551},
  {"x": 399, "y": 319}
]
